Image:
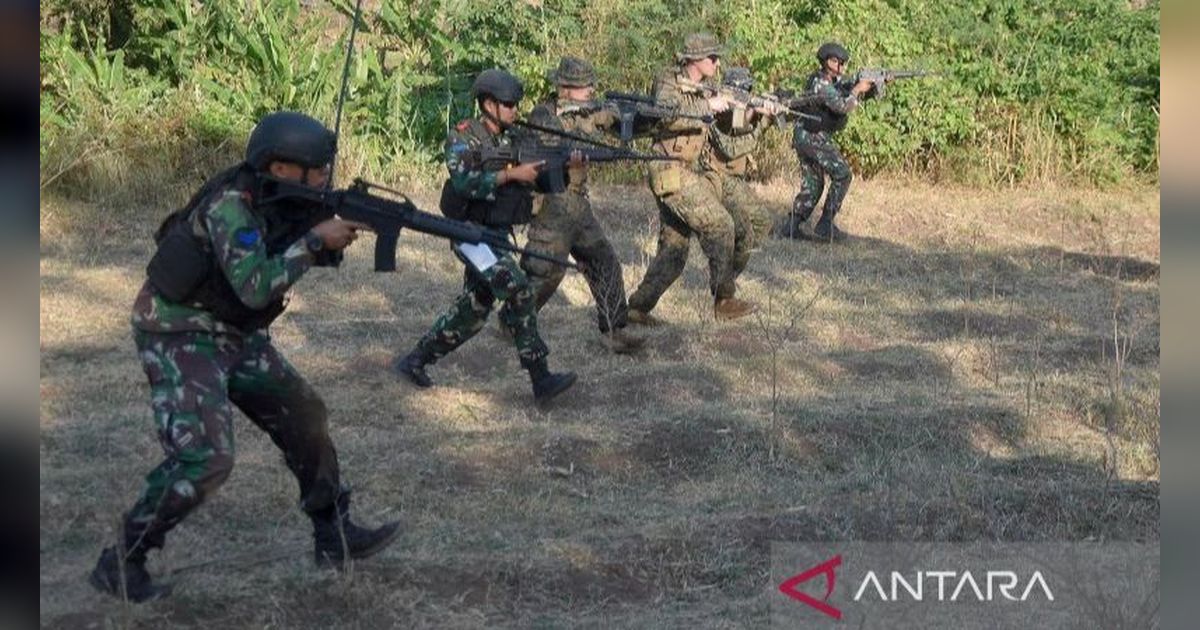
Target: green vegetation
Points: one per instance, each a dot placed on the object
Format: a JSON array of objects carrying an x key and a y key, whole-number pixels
[{"x": 1031, "y": 91}]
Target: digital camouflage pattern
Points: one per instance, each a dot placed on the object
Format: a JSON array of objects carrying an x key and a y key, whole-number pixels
[
  {"x": 565, "y": 224},
  {"x": 695, "y": 209},
  {"x": 573, "y": 72},
  {"x": 235, "y": 235},
  {"x": 194, "y": 377},
  {"x": 730, "y": 156},
  {"x": 504, "y": 281},
  {"x": 699, "y": 46},
  {"x": 693, "y": 206}
]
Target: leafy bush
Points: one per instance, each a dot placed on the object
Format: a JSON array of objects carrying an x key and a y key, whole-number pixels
[{"x": 1029, "y": 90}]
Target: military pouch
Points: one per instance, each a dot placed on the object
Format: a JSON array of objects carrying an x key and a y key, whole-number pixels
[
  {"x": 666, "y": 181},
  {"x": 513, "y": 206},
  {"x": 738, "y": 116},
  {"x": 180, "y": 264},
  {"x": 453, "y": 204}
]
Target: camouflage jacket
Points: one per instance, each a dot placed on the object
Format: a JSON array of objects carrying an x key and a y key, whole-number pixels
[
  {"x": 681, "y": 137},
  {"x": 584, "y": 119},
  {"x": 833, "y": 104},
  {"x": 474, "y": 183},
  {"x": 235, "y": 234}
]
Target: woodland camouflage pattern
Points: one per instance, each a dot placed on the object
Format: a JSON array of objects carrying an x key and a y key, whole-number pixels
[
  {"x": 198, "y": 365},
  {"x": 465, "y": 137},
  {"x": 504, "y": 281},
  {"x": 194, "y": 376},
  {"x": 819, "y": 156},
  {"x": 235, "y": 234}
]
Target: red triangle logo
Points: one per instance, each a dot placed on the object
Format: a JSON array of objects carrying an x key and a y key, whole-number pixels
[{"x": 826, "y": 569}]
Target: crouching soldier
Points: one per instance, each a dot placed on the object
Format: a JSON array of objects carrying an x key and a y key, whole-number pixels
[
  {"x": 215, "y": 284},
  {"x": 834, "y": 97}
]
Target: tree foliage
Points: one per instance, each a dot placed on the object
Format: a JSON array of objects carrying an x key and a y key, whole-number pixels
[{"x": 1028, "y": 90}]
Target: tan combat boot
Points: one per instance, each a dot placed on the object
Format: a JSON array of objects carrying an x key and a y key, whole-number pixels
[
  {"x": 620, "y": 342},
  {"x": 726, "y": 309},
  {"x": 643, "y": 318}
]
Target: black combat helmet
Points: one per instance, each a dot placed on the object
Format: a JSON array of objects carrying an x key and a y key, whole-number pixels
[
  {"x": 499, "y": 85},
  {"x": 290, "y": 137},
  {"x": 832, "y": 49}
]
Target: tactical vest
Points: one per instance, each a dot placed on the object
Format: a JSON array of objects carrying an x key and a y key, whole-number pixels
[
  {"x": 513, "y": 203},
  {"x": 513, "y": 206},
  {"x": 829, "y": 120},
  {"x": 683, "y": 138},
  {"x": 185, "y": 268}
]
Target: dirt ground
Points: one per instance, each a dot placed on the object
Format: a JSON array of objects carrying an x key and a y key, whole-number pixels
[{"x": 975, "y": 365}]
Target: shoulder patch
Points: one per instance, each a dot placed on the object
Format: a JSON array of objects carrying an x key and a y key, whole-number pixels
[{"x": 247, "y": 237}]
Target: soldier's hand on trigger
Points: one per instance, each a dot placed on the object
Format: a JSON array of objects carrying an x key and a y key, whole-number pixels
[
  {"x": 336, "y": 234},
  {"x": 863, "y": 86},
  {"x": 524, "y": 172}
]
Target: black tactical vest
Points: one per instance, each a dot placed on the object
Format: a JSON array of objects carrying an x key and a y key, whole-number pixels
[
  {"x": 185, "y": 269},
  {"x": 828, "y": 120},
  {"x": 513, "y": 204}
]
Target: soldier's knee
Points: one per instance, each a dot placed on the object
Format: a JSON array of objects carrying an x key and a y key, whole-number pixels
[
  {"x": 841, "y": 174},
  {"x": 309, "y": 409},
  {"x": 203, "y": 474},
  {"x": 538, "y": 270},
  {"x": 220, "y": 467}
]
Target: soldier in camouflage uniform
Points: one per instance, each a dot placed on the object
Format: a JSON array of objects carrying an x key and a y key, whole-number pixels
[
  {"x": 732, "y": 140},
  {"x": 218, "y": 279},
  {"x": 565, "y": 224},
  {"x": 819, "y": 154},
  {"x": 689, "y": 193},
  {"x": 497, "y": 199}
]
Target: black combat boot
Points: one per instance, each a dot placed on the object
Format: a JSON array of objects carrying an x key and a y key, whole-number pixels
[
  {"x": 335, "y": 536},
  {"x": 546, "y": 384},
  {"x": 124, "y": 575},
  {"x": 793, "y": 226},
  {"x": 412, "y": 366},
  {"x": 826, "y": 231}
]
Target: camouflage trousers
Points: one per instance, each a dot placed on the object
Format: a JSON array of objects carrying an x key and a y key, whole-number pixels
[
  {"x": 751, "y": 221},
  {"x": 194, "y": 376},
  {"x": 502, "y": 281},
  {"x": 721, "y": 215},
  {"x": 819, "y": 156},
  {"x": 566, "y": 226}
]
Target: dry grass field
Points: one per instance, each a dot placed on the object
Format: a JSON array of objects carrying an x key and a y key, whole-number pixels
[{"x": 976, "y": 365}]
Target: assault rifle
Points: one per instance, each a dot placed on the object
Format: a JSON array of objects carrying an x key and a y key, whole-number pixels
[
  {"x": 551, "y": 177},
  {"x": 879, "y": 77},
  {"x": 387, "y": 216},
  {"x": 772, "y": 103},
  {"x": 629, "y": 108}
]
